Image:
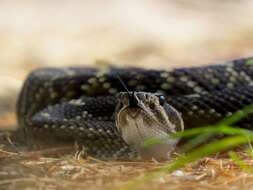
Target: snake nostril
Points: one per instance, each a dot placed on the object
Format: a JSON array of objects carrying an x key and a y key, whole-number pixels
[{"x": 152, "y": 106}]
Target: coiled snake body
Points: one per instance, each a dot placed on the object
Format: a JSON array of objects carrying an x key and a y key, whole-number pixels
[{"x": 79, "y": 103}]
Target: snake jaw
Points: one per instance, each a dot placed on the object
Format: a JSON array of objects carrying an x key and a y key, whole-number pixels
[{"x": 147, "y": 120}]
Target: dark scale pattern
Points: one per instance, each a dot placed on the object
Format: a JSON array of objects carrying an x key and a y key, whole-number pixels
[
  {"x": 209, "y": 108},
  {"x": 79, "y": 103}
]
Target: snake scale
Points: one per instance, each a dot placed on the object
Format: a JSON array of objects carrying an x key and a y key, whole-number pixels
[{"x": 78, "y": 104}]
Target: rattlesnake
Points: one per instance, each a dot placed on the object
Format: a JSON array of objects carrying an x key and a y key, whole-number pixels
[{"x": 78, "y": 104}]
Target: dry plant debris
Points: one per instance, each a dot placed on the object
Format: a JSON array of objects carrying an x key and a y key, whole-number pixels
[{"x": 32, "y": 170}]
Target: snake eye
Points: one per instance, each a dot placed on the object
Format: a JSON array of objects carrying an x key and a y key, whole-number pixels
[{"x": 162, "y": 100}]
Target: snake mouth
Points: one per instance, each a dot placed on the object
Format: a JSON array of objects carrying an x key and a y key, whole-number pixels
[{"x": 133, "y": 112}]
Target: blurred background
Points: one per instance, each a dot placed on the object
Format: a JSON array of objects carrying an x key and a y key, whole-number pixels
[{"x": 150, "y": 34}]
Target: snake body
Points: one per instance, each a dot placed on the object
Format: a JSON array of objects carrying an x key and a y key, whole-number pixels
[{"x": 79, "y": 103}]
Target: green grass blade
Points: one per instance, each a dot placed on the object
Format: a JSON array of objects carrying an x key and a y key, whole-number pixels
[
  {"x": 196, "y": 141},
  {"x": 226, "y": 130},
  {"x": 249, "y": 61},
  {"x": 243, "y": 165},
  {"x": 237, "y": 116}
]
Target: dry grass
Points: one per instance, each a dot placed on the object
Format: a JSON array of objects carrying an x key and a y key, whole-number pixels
[{"x": 30, "y": 170}]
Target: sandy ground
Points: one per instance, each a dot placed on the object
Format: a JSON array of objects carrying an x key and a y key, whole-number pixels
[{"x": 150, "y": 34}]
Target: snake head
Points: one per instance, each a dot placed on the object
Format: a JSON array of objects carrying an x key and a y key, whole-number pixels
[{"x": 143, "y": 116}]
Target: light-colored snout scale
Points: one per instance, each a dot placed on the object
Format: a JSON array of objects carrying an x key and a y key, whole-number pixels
[{"x": 142, "y": 117}]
